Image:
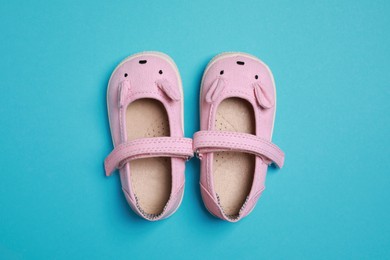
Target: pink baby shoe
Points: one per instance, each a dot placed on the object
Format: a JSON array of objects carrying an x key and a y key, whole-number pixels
[
  {"x": 145, "y": 110},
  {"x": 237, "y": 112}
]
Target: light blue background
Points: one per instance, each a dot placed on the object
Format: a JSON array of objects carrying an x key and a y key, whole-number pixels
[{"x": 331, "y": 63}]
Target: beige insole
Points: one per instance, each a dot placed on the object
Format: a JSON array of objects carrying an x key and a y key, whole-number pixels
[
  {"x": 150, "y": 177},
  {"x": 233, "y": 171}
]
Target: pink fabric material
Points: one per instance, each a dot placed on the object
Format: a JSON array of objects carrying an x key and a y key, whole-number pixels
[
  {"x": 215, "y": 90},
  {"x": 156, "y": 79},
  {"x": 178, "y": 147},
  {"x": 262, "y": 96},
  {"x": 170, "y": 91},
  {"x": 215, "y": 141},
  {"x": 253, "y": 82}
]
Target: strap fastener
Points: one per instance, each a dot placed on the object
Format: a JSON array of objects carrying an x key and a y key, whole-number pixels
[
  {"x": 177, "y": 147},
  {"x": 219, "y": 141}
]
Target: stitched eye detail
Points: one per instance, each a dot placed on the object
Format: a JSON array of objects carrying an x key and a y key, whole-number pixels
[
  {"x": 221, "y": 72},
  {"x": 125, "y": 75},
  {"x": 160, "y": 72},
  {"x": 257, "y": 76}
]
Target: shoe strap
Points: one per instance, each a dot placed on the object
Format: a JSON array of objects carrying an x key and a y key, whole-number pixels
[
  {"x": 177, "y": 147},
  {"x": 219, "y": 141}
]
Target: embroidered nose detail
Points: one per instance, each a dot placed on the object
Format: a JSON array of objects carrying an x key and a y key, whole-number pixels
[
  {"x": 263, "y": 98},
  {"x": 167, "y": 88},
  {"x": 124, "y": 88},
  {"x": 215, "y": 90}
]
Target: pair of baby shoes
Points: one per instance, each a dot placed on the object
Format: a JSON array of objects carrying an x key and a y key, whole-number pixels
[{"x": 237, "y": 112}]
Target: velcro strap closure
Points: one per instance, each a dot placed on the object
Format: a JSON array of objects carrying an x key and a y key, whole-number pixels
[
  {"x": 178, "y": 147},
  {"x": 217, "y": 141}
]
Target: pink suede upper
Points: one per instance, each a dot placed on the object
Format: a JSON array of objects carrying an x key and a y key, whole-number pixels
[
  {"x": 252, "y": 81},
  {"x": 157, "y": 79}
]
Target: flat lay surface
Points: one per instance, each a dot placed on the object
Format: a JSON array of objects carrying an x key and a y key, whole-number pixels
[{"x": 330, "y": 60}]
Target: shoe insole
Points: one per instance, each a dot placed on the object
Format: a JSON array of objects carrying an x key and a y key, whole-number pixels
[
  {"x": 233, "y": 171},
  {"x": 150, "y": 177}
]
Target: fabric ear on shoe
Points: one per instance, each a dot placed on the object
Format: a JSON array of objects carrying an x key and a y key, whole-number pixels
[
  {"x": 215, "y": 90},
  {"x": 262, "y": 97},
  {"x": 167, "y": 88}
]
